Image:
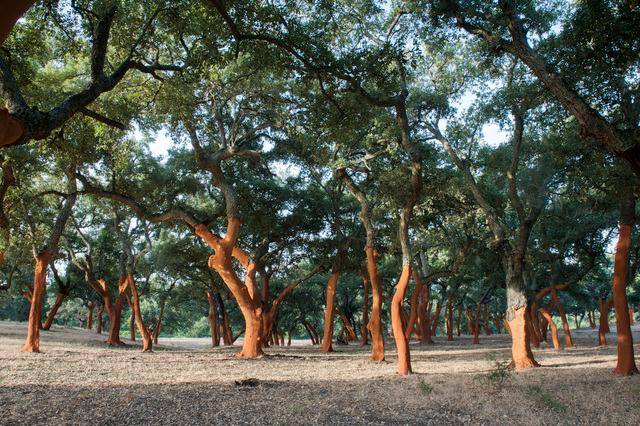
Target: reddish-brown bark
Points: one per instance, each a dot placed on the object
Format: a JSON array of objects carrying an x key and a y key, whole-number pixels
[
  {"x": 626, "y": 363},
  {"x": 132, "y": 320},
  {"x": 424, "y": 315},
  {"x": 54, "y": 310},
  {"x": 32, "y": 343},
  {"x": 348, "y": 327},
  {"x": 145, "y": 333},
  {"x": 11, "y": 12},
  {"x": 449, "y": 315},
  {"x": 332, "y": 284},
  {"x": 402, "y": 344},
  {"x": 114, "y": 310},
  {"x": 522, "y": 357},
  {"x": 554, "y": 328},
  {"x": 603, "y": 329},
  {"x": 563, "y": 317},
  {"x": 364, "y": 330}
]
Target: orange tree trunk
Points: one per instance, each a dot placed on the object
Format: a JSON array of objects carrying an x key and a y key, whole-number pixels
[
  {"x": 115, "y": 319},
  {"x": 329, "y": 312},
  {"x": 435, "y": 321},
  {"x": 246, "y": 294},
  {"x": 626, "y": 364},
  {"x": 402, "y": 343},
  {"x": 312, "y": 335},
  {"x": 534, "y": 336},
  {"x": 517, "y": 314},
  {"x": 54, "y": 310},
  {"x": 147, "y": 339},
  {"x": 332, "y": 284},
  {"x": 554, "y": 328},
  {"x": 458, "y": 319},
  {"x": 348, "y": 327},
  {"x": 364, "y": 330},
  {"x": 32, "y": 343},
  {"x": 563, "y": 317}
]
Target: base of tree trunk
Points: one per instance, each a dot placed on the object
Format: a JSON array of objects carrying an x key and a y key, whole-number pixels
[{"x": 521, "y": 355}]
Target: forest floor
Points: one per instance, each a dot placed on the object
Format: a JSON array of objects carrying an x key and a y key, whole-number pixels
[{"x": 78, "y": 380}]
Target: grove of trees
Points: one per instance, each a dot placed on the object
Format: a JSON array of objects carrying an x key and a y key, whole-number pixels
[{"x": 349, "y": 171}]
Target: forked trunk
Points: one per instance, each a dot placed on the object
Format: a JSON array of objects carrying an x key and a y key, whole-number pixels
[
  {"x": 54, "y": 310},
  {"x": 626, "y": 364},
  {"x": 114, "y": 311},
  {"x": 402, "y": 344},
  {"x": 32, "y": 343},
  {"x": 554, "y": 328},
  {"x": 348, "y": 327}
]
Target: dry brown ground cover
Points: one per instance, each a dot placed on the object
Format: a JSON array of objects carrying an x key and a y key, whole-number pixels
[{"x": 77, "y": 380}]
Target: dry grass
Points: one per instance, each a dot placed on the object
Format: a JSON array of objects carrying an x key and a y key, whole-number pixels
[{"x": 77, "y": 380}]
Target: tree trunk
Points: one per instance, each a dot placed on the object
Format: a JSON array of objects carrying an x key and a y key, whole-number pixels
[
  {"x": 54, "y": 310},
  {"x": 312, "y": 335},
  {"x": 213, "y": 323},
  {"x": 563, "y": 317},
  {"x": 158, "y": 327},
  {"x": 114, "y": 311},
  {"x": 145, "y": 333},
  {"x": 487, "y": 329},
  {"x": 435, "y": 321},
  {"x": 349, "y": 330},
  {"x": 591, "y": 316},
  {"x": 332, "y": 284},
  {"x": 375, "y": 319},
  {"x": 90, "y": 308},
  {"x": 458, "y": 319},
  {"x": 626, "y": 363},
  {"x": 554, "y": 328},
  {"x": 364, "y": 330},
  {"x": 450, "y": 317},
  {"x": 32, "y": 343},
  {"x": 99, "y": 319},
  {"x": 402, "y": 344},
  {"x": 517, "y": 314},
  {"x": 603, "y": 329},
  {"x": 227, "y": 335},
  {"x": 424, "y": 315}
]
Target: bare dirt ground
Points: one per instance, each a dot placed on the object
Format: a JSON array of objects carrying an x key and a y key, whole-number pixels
[{"x": 78, "y": 380}]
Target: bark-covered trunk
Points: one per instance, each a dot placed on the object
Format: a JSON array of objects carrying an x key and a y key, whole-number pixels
[
  {"x": 450, "y": 317},
  {"x": 458, "y": 319},
  {"x": 329, "y": 312},
  {"x": 487, "y": 329},
  {"x": 402, "y": 344},
  {"x": 158, "y": 328},
  {"x": 364, "y": 330},
  {"x": 517, "y": 314},
  {"x": 145, "y": 333},
  {"x": 554, "y": 328},
  {"x": 348, "y": 327},
  {"x": 114, "y": 311},
  {"x": 626, "y": 363},
  {"x": 424, "y": 315},
  {"x": 32, "y": 343},
  {"x": 53, "y": 311},
  {"x": 603, "y": 329},
  {"x": 99, "y": 319},
  {"x": 568, "y": 340},
  {"x": 213, "y": 320},
  {"x": 90, "y": 308}
]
